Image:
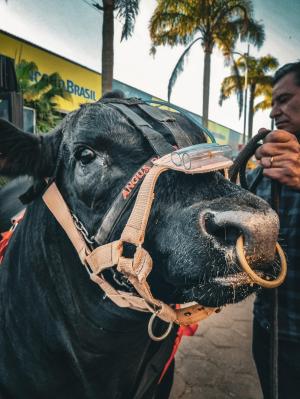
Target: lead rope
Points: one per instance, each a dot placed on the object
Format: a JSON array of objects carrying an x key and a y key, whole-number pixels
[
  {"x": 239, "y": 168},
  {"x": 275, "y": 199}
]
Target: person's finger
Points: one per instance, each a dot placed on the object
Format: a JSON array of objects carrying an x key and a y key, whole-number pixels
[
  {"x": 267, "y": 162},
  {"x": 284, "y": 160},
  {"x": 273, "y": 149},
  {"x": 263, "y": 130},
  {"x": 279, "y": 136},
  {"x": 281, "y": 175}
]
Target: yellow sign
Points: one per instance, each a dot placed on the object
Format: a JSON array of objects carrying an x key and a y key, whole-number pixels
[
  {"x": 221, "y": 133},
  {"x": 84, "y": 85},
  {"x": 164, "y": 107}
]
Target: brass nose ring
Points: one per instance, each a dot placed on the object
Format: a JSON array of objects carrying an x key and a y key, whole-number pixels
[{"x": 254, "y": 277}]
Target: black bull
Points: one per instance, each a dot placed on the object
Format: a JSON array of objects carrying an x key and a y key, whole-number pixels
[{"x": 60, "y": 337}]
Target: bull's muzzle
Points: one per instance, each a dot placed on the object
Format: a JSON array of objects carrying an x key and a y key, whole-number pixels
[
  {"x": 255, "y": 236},
  {"x": 259, "y": 229}
]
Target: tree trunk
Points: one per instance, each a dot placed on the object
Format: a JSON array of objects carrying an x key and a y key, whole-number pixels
[
  {"x": 206, "y": 82},
  {"x": 107, "y": 45},
  {"x": 251, "y": 111}
]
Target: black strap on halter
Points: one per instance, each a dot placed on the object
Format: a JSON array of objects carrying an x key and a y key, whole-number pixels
[
  {"x": 156, "y": 140},
  {"x": 169, "y": 121},
  {"x": 120, "y": 204},
  {"x": 158, "y": 143}
]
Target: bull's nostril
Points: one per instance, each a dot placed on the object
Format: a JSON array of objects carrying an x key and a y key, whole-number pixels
[{"x": 226, "y": 234}]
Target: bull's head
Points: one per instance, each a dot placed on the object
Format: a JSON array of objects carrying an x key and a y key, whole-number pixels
[{"x": 195, "y": 220}]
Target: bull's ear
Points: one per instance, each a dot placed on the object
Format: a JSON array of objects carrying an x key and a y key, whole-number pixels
[{"x": 25, "y": 153}]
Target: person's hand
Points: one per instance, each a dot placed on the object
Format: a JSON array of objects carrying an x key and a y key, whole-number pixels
[{"x": 280, "y": 158}]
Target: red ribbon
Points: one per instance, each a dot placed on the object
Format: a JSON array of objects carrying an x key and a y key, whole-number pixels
[
  {"x": 6, "y": 236},
  {"x": 187, "y": 331}
]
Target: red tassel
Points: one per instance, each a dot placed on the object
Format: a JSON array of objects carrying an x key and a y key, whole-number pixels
[
  {"x": 187, "y": 331},
  {"x": 6, "y": 236}
]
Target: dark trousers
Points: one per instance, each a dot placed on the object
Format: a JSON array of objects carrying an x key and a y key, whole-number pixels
[{"x": 288, "y": 364}]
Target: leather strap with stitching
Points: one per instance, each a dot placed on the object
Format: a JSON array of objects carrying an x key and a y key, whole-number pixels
[
  {"x": 56, "y": 204},
  {"x": 121, "y": 204}
]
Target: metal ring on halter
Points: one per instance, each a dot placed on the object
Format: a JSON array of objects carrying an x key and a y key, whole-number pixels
[
  {"x": 254, "y": 277},
  {"x": 150, "y": 332}
]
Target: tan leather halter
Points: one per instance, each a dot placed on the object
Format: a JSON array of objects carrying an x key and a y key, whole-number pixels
[{"x": 136, "y": 269}]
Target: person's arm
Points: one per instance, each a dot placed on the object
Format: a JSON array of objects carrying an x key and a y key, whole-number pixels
[{"x": 280, "y": 158}]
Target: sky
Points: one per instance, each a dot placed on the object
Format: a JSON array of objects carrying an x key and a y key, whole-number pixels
[{"x": 72, "y": 28}]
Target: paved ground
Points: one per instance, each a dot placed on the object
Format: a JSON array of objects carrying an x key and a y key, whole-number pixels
[{"x": 217, "y": 363}]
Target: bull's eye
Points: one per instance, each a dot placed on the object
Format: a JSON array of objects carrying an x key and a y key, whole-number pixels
[{"x": 85, "y": 156}]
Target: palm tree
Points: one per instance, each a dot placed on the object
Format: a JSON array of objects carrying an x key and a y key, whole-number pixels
[
  {"x": 41, "y": 94},
  {"x": 266, "y": 102},
  {"x": 127, "y": 10},
  {"x": 209, "y": 22},
  {"x": 259, "y": 84}
]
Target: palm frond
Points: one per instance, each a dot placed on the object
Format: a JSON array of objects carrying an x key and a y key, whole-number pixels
[
  {"x": 225, "y": 37},
  {"x": 98, "y": 6},
  {"x": 264, "y": 87},
  {"x": 229, "y": 86},
  {"x": 228, "y": 11},
  {"x": 179, "y": 68},
  {"x": 268, "y": 63},
  {"x": 127, "y": 11},
  {"x": 237, "y": 81},
  {"x": 173, "y": 23},
  {"x": 240, "y": 83},
  {"x": 162, "y": 32},
  {"x": 254, "y": 34},
  {"x": 262, "y": 106}
]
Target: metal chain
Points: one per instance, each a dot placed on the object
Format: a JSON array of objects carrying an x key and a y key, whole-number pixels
[
  {"x": 80, "y": 227},
  {"x": 121, "y": 280},
  {"x": 118, "y": 278}
]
